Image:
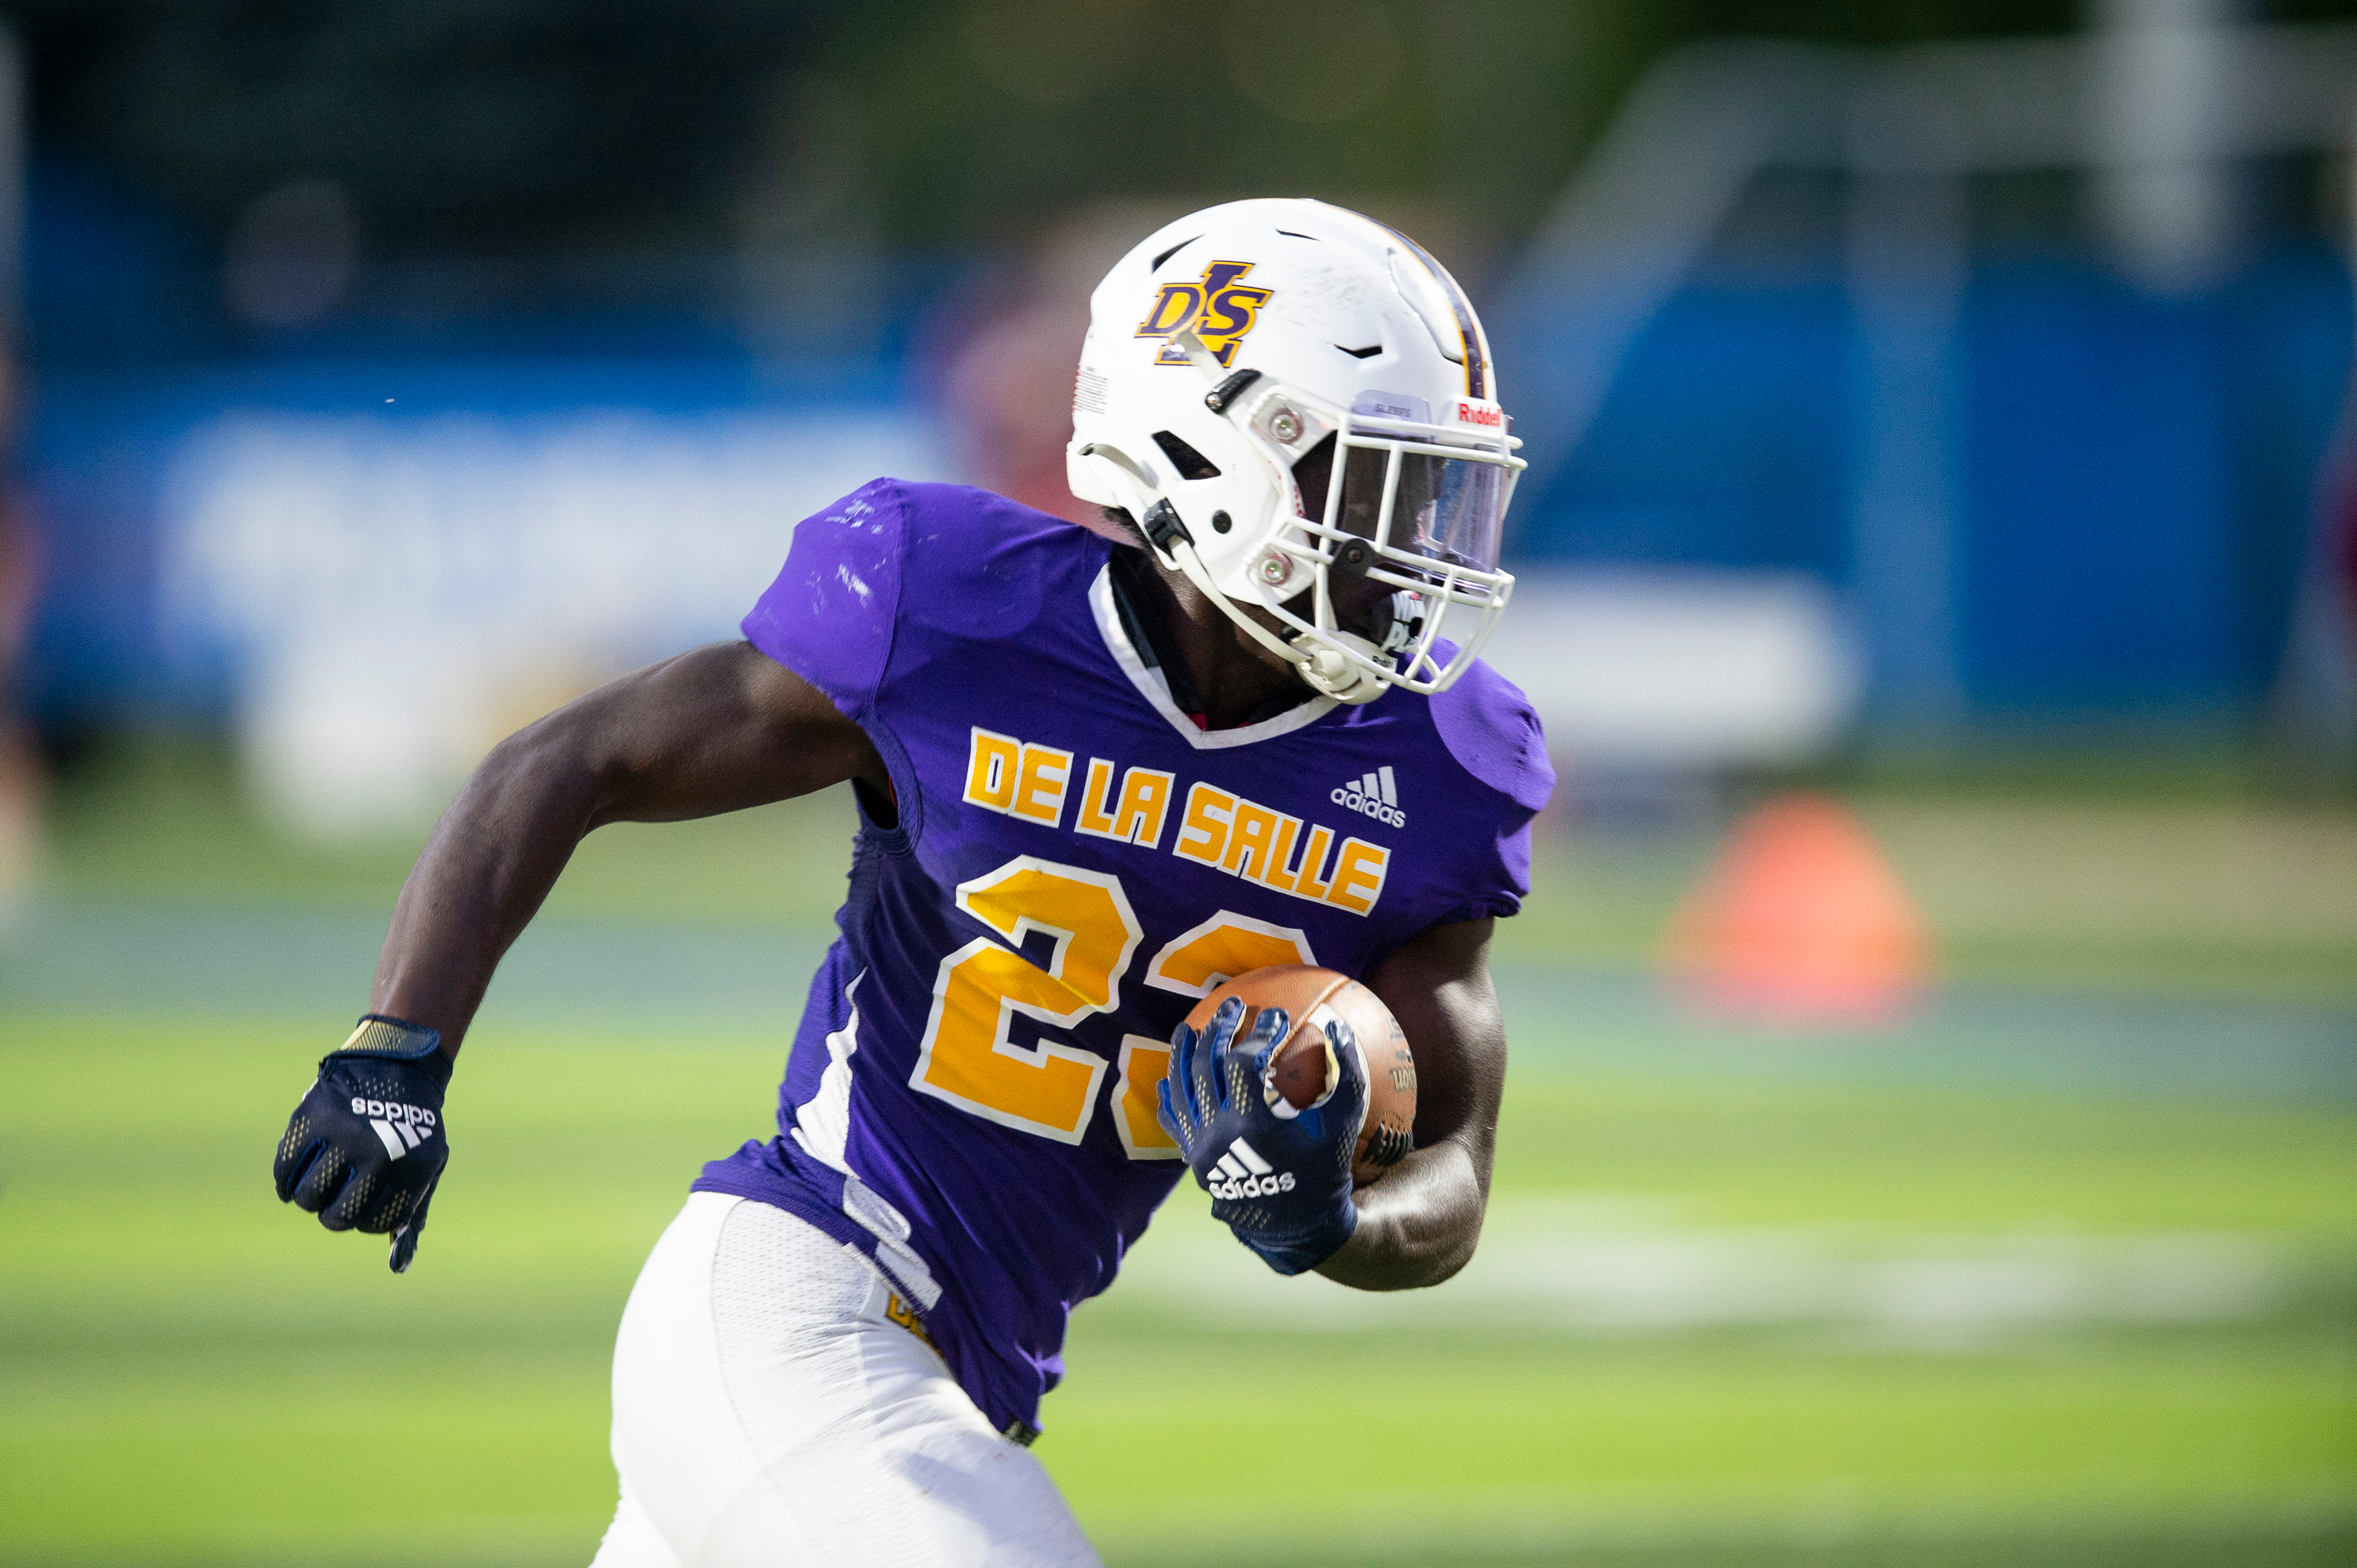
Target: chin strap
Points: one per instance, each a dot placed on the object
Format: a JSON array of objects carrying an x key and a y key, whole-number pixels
[{"x": 1324, "y": 670}]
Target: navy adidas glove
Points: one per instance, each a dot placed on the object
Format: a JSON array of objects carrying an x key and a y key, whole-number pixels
[
  {"x": 366, "y": 1146},
  {"x": 1279, "y": 1179}
]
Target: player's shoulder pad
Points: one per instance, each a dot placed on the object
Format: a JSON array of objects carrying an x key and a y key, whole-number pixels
[
  {"x": 1493, "y": 733},
  {"x": 975, "y": 565}
]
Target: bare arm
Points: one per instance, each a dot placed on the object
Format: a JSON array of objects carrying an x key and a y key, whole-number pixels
[
  {"x": 717, "y": 729},
  {"x": 1419, "y": 1224}
]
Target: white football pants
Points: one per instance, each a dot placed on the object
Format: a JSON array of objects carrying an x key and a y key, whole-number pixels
[{"x": 768, "y": 1411}]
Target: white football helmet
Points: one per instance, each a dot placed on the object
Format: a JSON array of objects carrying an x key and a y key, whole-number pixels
[{"x": 1231, "y": 345}]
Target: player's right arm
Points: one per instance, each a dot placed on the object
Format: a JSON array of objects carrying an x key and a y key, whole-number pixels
[{"x": 718, "y": 729}]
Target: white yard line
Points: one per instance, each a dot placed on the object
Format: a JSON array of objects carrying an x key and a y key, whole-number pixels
[{"x": 1579, "y": 1267}]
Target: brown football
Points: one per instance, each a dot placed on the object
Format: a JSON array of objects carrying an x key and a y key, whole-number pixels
[{"x": 1302, "y": 1070}]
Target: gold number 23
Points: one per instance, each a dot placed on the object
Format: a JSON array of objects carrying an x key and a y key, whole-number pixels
[{"x": 967, "y": 1056}]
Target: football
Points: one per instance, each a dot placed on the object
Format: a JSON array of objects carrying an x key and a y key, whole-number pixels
[{"x": 1303, "y": 1072}]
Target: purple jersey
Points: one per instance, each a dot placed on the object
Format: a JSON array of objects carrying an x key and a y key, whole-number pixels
[{"x": 970, "y": 1098}]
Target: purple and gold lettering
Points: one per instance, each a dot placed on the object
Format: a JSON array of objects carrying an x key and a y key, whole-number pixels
[
  {"x": 1145, "y": 801},
  {"x": 1276, "y": 874},
  {"x": 1309, "y": 883},
  {"x": 1253, "y": 830},
  {"x": 1095, "y": 797},
  {"x": 1359, "y": 875},
  {"x": 1203, "y": 833},
  {"x": 1173, "y": 308},
  {"x": 1040, "y": 783},
  {"x": 992, "y": 763}
]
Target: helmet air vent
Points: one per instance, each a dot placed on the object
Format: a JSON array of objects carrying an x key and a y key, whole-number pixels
[
  {"x": 1190, "y": 464},
  {"x": 1369, "y": 352},
  {"x": 1155, "y": 264}
]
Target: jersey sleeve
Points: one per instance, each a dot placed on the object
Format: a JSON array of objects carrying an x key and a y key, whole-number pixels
[
  {"x": 830, "y": 614},
  {"x": 1491, "y": 730}
]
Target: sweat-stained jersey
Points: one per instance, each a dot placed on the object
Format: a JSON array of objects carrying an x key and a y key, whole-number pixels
[{"x": 970, "y": 1097}]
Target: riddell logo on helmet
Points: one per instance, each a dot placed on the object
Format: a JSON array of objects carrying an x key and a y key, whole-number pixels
[
  {"x": 1218, "y": 309},
  {"x": 1476, "y": 414}
]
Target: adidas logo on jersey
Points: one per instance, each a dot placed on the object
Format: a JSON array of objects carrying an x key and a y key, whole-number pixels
[
  {"x": 1242, "y": 1173},
  {"x": 1375, "y": 795},
  {"x": 399, "y": 1128}
]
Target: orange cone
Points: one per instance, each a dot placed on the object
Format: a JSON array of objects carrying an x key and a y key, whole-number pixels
[{"x": 1802, "y": 920}]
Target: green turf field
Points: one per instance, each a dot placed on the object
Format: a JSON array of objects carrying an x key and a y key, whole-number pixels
[
  {"x": 2067, "y": 1275},
  {"x": 193, "y": 1374},
  {"x": 2197, "y": 887}
]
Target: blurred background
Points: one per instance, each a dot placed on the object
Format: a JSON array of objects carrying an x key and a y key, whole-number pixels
[{"x": 1933, "y": 1129}]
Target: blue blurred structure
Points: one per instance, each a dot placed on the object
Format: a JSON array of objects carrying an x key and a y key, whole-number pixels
[
  {"x": 2065, "y": 479},
  {"x": 134, "y": 356},
  {"x": 2136, "y": 479},
  {"x": 2056, "y": 488}
]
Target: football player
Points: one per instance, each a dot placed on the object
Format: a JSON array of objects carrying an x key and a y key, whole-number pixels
[{"x": 1094, "y": 778}]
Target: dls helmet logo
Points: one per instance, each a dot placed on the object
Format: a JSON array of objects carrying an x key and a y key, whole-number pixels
[{"x": 1219, "y": 309}]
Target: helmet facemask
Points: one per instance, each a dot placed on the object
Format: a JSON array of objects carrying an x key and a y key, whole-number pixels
[{"x": 1415, "y": 507}]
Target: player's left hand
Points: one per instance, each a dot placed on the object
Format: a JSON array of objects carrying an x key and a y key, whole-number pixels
[
  {"x": 366, "y": 1147},
  {"x": 1282, "y": 1183}
]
